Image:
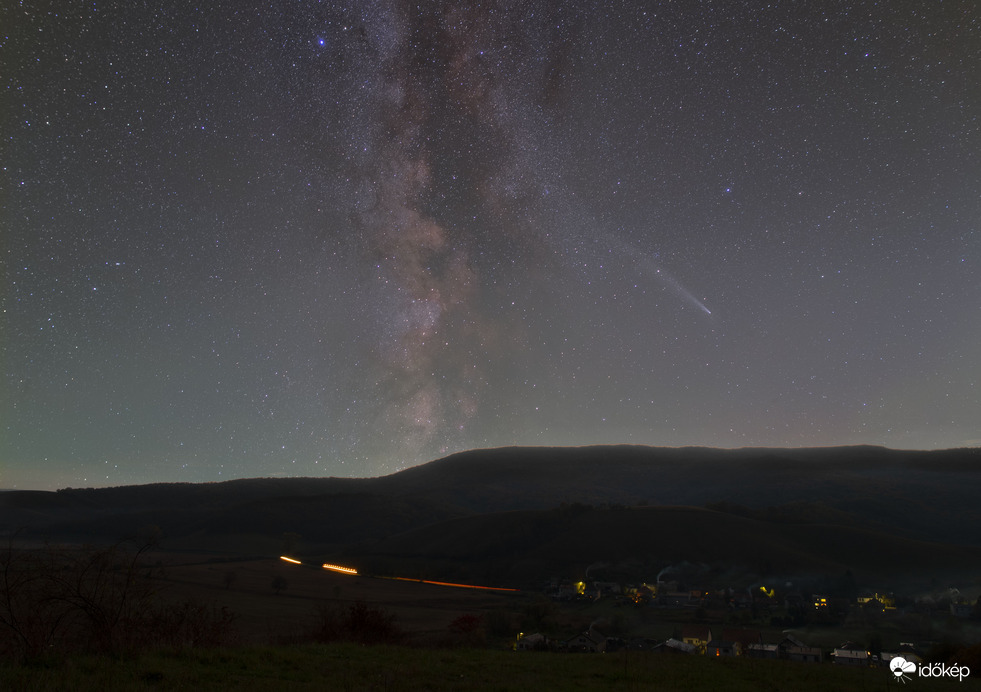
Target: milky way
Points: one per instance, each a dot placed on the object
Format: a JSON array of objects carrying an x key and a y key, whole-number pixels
[
  {"x": 346, "y": 238},
  {"x": 449, "y": 170}
]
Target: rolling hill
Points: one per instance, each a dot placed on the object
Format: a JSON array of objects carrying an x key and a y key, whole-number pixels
[{"x": 806, "y": 509}]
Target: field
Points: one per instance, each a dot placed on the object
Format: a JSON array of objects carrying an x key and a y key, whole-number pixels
[
  {"x": 392, "y": 668},
  {"x": 265, "y": 615},
  {"x": 271, "y": 647},
  {"x": 424, "y": 612}
]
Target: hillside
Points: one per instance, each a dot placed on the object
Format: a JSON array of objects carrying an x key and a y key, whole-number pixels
[
  {"x": 513, "y": 547},
  {"x": 925, "y": 496}
]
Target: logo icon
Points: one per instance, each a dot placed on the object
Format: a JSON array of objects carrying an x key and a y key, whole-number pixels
[{"x": 900, "y": 666}]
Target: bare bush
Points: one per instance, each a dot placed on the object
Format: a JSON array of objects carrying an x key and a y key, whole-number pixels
[
  {"x": 108, "y": 594},
  {"x": 32, "y": 616},
  {"x": 96, "y": 600},
  {"x": 191, "y": 624}
]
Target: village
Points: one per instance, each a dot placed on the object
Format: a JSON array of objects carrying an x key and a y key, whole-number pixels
[{"x": 763, "y": 622}]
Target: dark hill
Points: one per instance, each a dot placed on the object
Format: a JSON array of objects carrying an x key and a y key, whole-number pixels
[
  {"x": 526, "y": 477},
  {"x": 514, "y": 547},
  {"x": 929, "y": 496},
  {"x": 925, "y": 495}
]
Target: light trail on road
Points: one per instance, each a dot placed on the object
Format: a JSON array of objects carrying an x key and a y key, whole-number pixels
[{"x": 340, "y": 569}]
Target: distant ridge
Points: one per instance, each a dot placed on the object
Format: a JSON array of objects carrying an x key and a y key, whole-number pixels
[{"x": 919, "y": 495}]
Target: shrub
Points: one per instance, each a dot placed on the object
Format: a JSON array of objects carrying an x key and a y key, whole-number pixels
[{"x": 360, "y": 623}]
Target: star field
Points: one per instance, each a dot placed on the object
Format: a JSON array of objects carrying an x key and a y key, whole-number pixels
[{"x": 328, "y": 238}]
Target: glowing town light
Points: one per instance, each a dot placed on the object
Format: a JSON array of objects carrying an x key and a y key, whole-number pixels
[
  {"x": 338, "y": 568},
  {"x": 289, "y": 559}
]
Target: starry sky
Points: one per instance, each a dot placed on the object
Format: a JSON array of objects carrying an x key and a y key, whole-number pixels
[{"x": 302, "y": 238}]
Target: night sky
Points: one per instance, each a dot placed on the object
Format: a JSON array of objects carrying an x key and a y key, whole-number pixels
[{"x": 302, "y": 238}]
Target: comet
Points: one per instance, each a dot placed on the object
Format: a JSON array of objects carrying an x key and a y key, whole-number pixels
[
  {"x": 681, "y": 290},
  {"x": 607, "y": 244},
  {"x": 646, "y": 266}
]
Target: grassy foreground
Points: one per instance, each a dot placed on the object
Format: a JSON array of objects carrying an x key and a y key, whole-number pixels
[{"x": 354, "y": 667}]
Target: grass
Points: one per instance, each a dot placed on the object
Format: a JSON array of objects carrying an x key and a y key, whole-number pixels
[{"x": 354, "y": 667}]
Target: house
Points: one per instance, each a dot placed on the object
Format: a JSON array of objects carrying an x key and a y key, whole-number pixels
[
  {"x": 793, "y": 649},
  {"x": 881, "y": 601},
  {"x": 675, "y": 646},
  {"x": 567, "y": 591},
  {"x": 849, "y": 654},
  {"x": 906, "y": 650},
  {"x": 697, "y": 635},
  {"x": 638, "y": 595},
  {"x": 742, "y": 637},
  {"x": 587, "y": 642},
  {"x": 909, "y": 652},
  {"x": 805, "y": 654},
  {"x": 762, "y": 651},
  {"x": 532, "y": 642},
  {"x": 719, "y": 647},
  {"x": 788, "y": 642}
]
